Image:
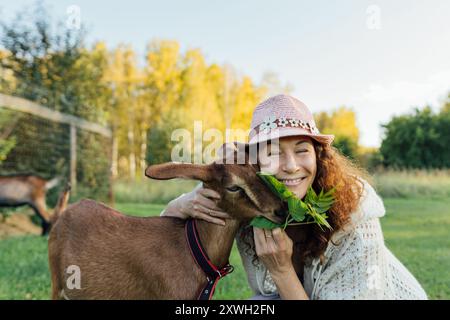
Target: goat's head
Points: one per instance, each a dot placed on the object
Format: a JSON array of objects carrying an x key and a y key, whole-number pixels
[{"x": 243, "y": 194}]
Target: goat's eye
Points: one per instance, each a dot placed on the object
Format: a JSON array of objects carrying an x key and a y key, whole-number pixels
[{"x": 234, "y": 188}]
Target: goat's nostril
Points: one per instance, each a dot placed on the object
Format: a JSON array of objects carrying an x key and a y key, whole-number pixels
[{"x": 280, "y": 213}]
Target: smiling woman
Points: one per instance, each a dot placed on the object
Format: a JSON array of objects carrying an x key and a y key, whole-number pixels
[
  {"x": 349, "y": 261},
  {"x": 298, "y": 156}
]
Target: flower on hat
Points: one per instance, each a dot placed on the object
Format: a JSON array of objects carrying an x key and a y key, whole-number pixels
[
  {"x": 268, "y": 124},
  {"x": 312, "y": 128},
  {"x": 294, "y": 122},
  {"x": 282, "y": 122}
]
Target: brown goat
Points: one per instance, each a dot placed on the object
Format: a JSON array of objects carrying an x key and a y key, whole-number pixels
[
  {"x": 122, "y": 257},
  {"x": 27, "y": 189}
]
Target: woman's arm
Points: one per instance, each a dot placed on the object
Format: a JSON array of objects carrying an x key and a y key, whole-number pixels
[
  {"x": 289, "y": 286},
  {"x": 200, "y": 203}
]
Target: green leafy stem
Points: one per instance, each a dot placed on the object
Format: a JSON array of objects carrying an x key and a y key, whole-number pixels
[{"x": 312, "y": 210}]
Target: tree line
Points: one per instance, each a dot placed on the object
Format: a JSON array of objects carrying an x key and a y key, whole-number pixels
[{"x": 143, "y": 102}]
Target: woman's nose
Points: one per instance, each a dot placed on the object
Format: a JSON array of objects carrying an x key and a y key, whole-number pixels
[{"x": 290, "y": 164}]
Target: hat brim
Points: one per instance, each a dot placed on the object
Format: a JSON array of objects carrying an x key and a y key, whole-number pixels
[{"x": 290, "y": 132}]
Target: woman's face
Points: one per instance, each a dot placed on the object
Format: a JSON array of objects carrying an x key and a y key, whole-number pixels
[{"x": 292, "y": 161}]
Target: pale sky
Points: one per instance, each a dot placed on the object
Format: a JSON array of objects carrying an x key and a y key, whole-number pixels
[{"x": 382, "y": 58}]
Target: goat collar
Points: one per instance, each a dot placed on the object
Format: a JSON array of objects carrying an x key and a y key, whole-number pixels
[{"x": 213, "y": 273}]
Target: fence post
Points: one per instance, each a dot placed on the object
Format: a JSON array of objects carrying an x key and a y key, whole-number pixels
[{"x": 73, "y": 157}]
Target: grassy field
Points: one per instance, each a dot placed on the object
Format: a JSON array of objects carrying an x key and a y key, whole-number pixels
[{"x": 416, "y": 230}]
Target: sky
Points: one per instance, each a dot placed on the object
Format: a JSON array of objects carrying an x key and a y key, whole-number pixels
[{"x": 381, "y": 58}]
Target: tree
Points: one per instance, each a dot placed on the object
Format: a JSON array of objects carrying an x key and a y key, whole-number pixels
[
  {"x": 342, "y": 123},
  {"x": 273, "y": 86},
  {"x": 125, "y": 110},
  {"x": 247, "y": 97},
  {"x": 417, "y": 140},
  {"x": 54, "y": 68}
]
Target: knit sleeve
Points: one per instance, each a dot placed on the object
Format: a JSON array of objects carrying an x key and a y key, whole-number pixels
[
  {"x": 365, "y": 269},
  {"x": 358, "y": 270}
]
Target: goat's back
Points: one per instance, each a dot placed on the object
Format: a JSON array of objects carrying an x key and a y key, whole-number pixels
[
  {"x": 20, "y": 189},
  {"x": 120, "y": 257}
]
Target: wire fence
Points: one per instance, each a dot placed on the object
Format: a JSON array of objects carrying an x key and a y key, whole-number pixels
[{"x": 53, "y": 144}]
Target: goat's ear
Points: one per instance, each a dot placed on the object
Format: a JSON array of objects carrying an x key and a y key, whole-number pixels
[{"x": 172, "y": 170}]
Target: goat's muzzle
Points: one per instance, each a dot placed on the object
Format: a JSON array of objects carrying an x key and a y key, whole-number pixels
[{"x": 283, "y": 211}]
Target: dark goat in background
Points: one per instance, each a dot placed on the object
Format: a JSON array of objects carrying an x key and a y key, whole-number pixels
[{"x": 27, "y": 189}]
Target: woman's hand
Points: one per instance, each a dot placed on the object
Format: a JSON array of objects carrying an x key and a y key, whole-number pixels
[
  {"x": 274, "y": 248},
  {"x": 200, "y": 203}
]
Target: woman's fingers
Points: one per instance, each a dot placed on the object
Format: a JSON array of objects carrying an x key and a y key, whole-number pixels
[
  {"x": 209, "y": 193},
  {"x": 218, "y": 214},
  {"x": 201, "y": 215},
  {"x": 211, "y": 208},
  {"x": 206, "y": 202},
  {"x": 260, "y": 240},
  {"x": 270, "y": 241},
  {"x": 202, "y": 205},
  {"x": 278, "y": 236},
  {"x": 212, "y": 213},
  {"x": 282, "y": 240}
]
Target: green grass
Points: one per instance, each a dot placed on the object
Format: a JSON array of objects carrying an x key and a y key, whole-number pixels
[
  {"x": 24, "y": 272},
  {"x": 151, "y": 191},
  {"x": 140, "y": 209},
  {"x": 412, "y": 184},
  {"x": 418, "y": 233},
  {"x": 416, "y": 230}
]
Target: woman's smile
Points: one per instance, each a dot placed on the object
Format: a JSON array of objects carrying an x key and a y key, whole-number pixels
[{"x": 293, "y": 182}]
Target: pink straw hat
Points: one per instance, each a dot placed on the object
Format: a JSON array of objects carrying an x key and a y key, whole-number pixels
[{"x": 284, "y": 116}]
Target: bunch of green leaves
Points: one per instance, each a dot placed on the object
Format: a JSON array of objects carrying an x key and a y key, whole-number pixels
[{"x": 313, "y": 209}]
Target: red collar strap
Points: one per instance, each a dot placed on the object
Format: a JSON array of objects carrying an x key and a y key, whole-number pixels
[{"x": 213, "y": 273}]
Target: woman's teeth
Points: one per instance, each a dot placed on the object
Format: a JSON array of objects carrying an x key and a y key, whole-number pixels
[{"x": 292, "y": 182}]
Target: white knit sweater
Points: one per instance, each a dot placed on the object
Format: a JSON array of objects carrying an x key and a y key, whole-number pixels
[{"x": 359, "y": 266}]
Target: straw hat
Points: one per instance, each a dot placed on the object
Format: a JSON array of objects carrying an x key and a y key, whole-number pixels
[{"x": 284, "y": 116}]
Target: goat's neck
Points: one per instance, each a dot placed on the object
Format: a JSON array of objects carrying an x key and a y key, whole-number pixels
[{"x": 218, "y": 240}]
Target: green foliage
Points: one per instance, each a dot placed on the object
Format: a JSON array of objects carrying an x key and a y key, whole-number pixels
[
  {"x": 7, "y": 141},
  {"x": 312, "y": 210},
  {"x": 93, "y": 166},
  {"x": 342, "y": 124},
  {"x": 42, "y": 148},
  {"x": 347, "y": 146},
  {"x": 6, "y": 145},
  {"x": 53, "y": 68},
  {"x": 369, "y": 158},
  {"x": 418, "y": 140},
  {"x": 159, "y": 138}
]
